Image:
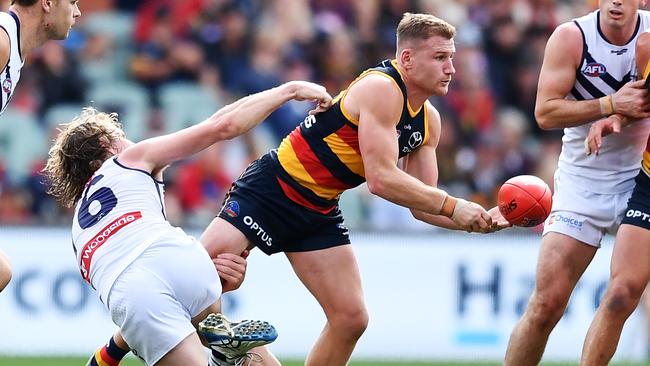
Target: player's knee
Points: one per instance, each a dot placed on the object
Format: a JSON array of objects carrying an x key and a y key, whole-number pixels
[
  {"x": 5, "y": 275},
  {"x": 546, "y": 309},
  {"x": 623, "y": 296},
  {"x": 352, "y": 321}
]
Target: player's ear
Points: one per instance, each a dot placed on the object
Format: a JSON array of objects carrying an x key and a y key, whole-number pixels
[
  {"x": 405, "y": 57},
  {"x": 47, "y": 5}
]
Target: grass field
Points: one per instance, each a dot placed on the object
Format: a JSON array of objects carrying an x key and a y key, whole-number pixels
[{"x": 53, "y": 361}]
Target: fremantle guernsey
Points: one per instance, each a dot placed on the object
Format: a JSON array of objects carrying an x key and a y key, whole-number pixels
[
  {"x": 11, "y": 71},
  {"x": 321, "y": 158},
  {"x": 604, "y": 69},
  {"x": 120, "y": 214}
]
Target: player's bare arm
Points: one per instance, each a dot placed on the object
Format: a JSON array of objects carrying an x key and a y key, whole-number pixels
[
  {"x": 615, "y": 122},
  {"x": 158, "y": 152},
  {"x": 562, "y": 57},
  {"x": 423, "y": 165},
  {"x": 379, "y": 151}
]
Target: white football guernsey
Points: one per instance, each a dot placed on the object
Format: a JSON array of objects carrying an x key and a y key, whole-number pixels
[
  {"x": 11, "y": 71},
  {"x": 120, "y": 214},
  {"x": 604, "y": 69}
]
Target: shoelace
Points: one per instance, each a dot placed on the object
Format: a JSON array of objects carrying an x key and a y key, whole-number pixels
[{"x": 248, "y": 359}]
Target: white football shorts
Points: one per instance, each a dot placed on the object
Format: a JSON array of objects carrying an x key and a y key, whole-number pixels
[
  {"x": 584, "y": 215},
  {"x": 155, "y": 298}
]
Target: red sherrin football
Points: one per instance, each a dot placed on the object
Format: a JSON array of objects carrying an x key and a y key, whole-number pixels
[{"x": 525, "y": 200}]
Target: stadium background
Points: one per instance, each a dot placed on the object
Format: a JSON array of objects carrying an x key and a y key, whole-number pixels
[{"x": 165, "y": 64}]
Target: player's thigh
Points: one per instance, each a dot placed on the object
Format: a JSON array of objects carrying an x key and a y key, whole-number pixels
[
  {"x": 562, "y": 261},
  {"x": 188, "y": 352},
  {"x": 223, "y": 237},
  {"x": 631, "y": 256},
  {"x": 323, "y": 271}
]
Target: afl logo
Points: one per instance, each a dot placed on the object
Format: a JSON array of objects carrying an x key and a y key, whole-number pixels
[
  {"x": 6, "y": 86},
  {"x": 415, "y": 139},
  {"x": 594, "y": 69}
]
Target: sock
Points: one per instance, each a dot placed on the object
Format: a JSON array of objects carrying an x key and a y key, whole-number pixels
[{"x": 109, "y": 355}]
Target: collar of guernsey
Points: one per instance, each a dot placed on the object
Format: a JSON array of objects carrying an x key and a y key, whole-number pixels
[{"x": 320, "y": 158}]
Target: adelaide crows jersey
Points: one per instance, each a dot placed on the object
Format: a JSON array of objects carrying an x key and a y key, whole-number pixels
[{"x": 321, "y": 158}]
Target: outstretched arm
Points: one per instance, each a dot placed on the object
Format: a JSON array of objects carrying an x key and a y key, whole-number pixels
[
  {"x": 379, "y": 150},
  {"x": 231, "y": 121}
]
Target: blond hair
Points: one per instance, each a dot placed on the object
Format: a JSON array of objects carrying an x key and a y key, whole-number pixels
[
  {"x": 80, "y": 148},
  {"x": 421, "y": 27}
]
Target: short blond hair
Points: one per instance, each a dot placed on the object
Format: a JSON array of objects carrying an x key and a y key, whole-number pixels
[
  {"x": 80, "y": 148},
  {"x": 423, "y": 26}
]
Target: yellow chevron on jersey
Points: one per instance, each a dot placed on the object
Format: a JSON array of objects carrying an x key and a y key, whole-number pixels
[{"x": 322, "y": 158}]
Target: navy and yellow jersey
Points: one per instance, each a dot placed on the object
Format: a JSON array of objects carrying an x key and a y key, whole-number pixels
[{"x": 321, "y": 158}]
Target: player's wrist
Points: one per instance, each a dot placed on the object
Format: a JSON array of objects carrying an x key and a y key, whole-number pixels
[
  {"x": 607, "y": 105},
  {"x": 448, "y": 206}
]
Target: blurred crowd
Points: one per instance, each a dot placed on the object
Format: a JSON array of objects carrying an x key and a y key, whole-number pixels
[{"x": 164, "y": 64}]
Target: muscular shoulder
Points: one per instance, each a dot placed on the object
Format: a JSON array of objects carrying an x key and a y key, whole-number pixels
[
  {"x": 375, "y": 92},
  {"x": 5, "y": 48},
  {"x": 566, "y": 41}
]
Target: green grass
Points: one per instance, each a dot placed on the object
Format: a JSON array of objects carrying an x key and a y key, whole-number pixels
[{"x": 71, "y": 361}]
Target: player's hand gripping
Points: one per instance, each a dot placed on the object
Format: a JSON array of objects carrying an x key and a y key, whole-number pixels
[
  {"x": 498, "y": 221},
  {"x": 600, "y": 129},
  {"x": 471, "y": 217},
  {"x": 631, "y": 100},
  {"x": 304, "y": 90},
  {"x": 231, "y": 269}
]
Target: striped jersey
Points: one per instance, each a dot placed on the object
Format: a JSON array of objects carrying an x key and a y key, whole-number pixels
[
  {"x": 320, "y": 159},
  {"x": 11, "y": 71},
  {"x": 604, "y": 69},
  {"x": 120, "y": 214}
]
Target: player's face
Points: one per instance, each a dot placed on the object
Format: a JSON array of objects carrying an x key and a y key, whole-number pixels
[
  {"x": 617, "y": 13},
  {"x": 61, "y": 18},
  {"x": 432, "y": 65}
]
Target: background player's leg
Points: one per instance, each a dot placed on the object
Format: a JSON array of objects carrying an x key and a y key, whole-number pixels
[
  {"x": 562, "y": 261},
  {"x": 332, "y": 276},
  {"x": 190, "y": 352},
  {"x": 629, "y": 277}
]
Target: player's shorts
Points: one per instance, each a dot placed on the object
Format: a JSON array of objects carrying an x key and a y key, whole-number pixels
[
  {"x": 638, "y": 208},
  {"x": 155, "y": 298},
  {"x": 584, "y": 215},
  {"x": 257, "y": 206}
]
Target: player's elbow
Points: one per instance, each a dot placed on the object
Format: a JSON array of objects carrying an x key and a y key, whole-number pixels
[
  {"x": 376, "y": 184},
  {"x": 543, "y": 120},
  {"x": 226, "y": 127}
]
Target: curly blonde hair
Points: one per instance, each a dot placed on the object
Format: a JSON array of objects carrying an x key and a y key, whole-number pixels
[{"x": 80, "y": 148}]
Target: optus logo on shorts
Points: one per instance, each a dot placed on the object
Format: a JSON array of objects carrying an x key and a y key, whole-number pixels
[
  {"x": 637, "y": 214},
  {"x": 566, "y": 220},
  {"x": 261, "y": 233}
]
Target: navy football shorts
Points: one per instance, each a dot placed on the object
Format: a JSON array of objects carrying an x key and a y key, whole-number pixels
[
  {"x": 257, "y": 206},
  {"x": 638, "y": 207}
]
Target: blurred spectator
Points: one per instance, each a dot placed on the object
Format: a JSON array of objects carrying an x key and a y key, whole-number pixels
[
  {"x": 237, "y": 47},
  {"x": 58, "y": 77}
]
